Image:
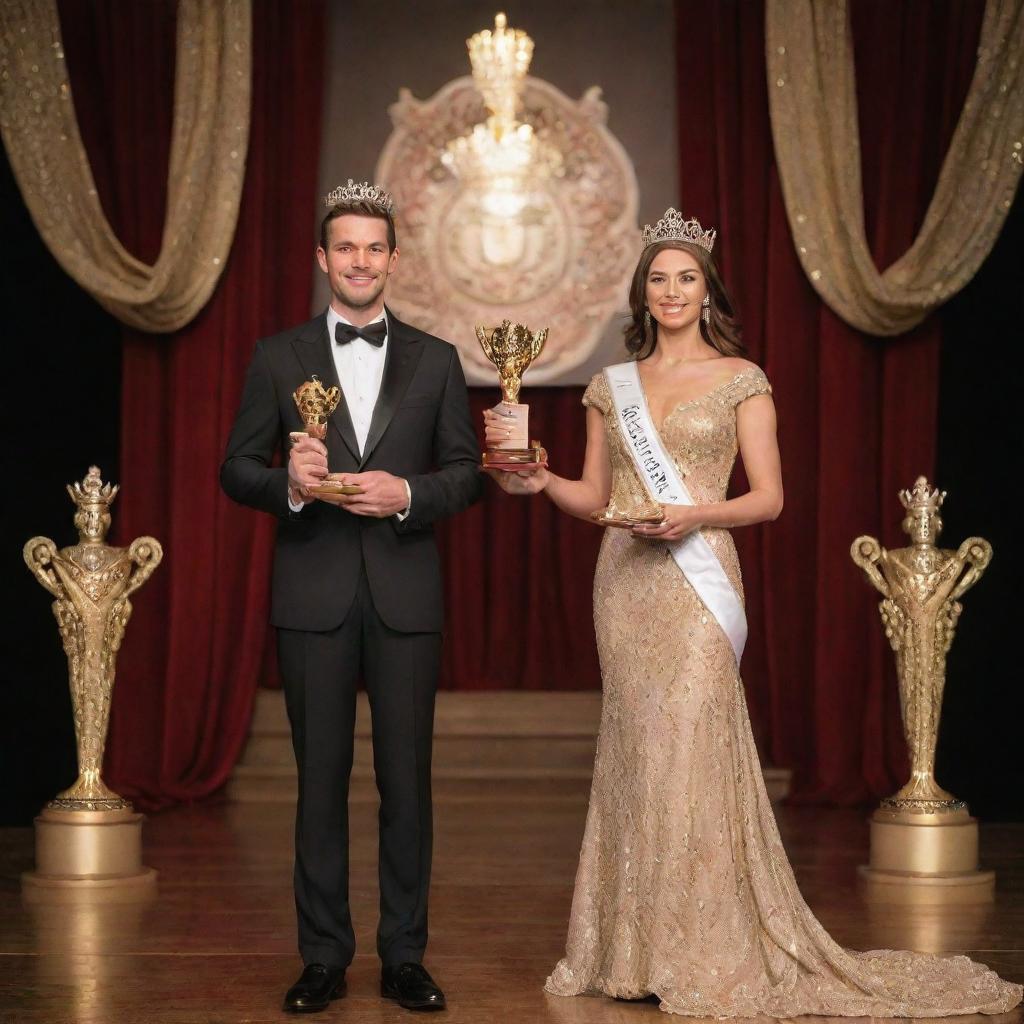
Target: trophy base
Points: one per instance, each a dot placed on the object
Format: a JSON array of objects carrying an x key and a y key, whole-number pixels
[
  {"x": 627, "y": 520},
  {"x": 335, "y": 489},
  {"x": 88, "y": 855},
  {"x": 331, "y": 485},
  {"x": 511, "y": 460},
  {"x": 920, "y": 857}
]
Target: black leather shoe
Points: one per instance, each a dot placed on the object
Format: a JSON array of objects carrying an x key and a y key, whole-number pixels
[
  {"x": 315, "y": 989},
  {"x": 412, "y": 987}
]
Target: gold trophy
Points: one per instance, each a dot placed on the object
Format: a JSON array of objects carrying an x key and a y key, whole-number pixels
[
  {"x": 644, "y": 512},
  {"x": 316, "y": 404},
  {"x": 924, "y": 843},
  {"x": 512, "y": 347},
  {"x": 88, "y": 835}
]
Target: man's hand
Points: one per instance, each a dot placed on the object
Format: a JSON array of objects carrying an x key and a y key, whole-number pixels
[
  {"x": 383, "y": 494},
  {"x": 307, "y": 465}
]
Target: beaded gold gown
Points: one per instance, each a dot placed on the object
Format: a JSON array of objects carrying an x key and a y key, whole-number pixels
[{"x": 683, "y": 889}]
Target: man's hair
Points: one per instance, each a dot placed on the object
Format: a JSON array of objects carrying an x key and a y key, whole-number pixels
[{"x": 363, "y": 209}]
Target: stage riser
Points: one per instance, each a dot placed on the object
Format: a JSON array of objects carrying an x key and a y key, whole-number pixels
[{"x": 477, "y": 736}]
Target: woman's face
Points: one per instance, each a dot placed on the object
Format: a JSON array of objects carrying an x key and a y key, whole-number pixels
[{"x": 675, "y": 289}]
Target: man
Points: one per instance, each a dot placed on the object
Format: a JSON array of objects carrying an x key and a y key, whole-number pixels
[{"x": 357, "y": 585}]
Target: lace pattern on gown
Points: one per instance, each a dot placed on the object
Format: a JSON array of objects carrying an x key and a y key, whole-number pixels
[{"x": 683, "y": 888}]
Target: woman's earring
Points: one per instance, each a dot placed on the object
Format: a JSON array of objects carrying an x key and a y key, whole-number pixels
[
  {"x": 705, "y": 313},
  {"x": 647, "y": 319}
]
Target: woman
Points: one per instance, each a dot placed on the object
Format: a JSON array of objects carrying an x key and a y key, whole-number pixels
[{"x": 684, "y": 890}]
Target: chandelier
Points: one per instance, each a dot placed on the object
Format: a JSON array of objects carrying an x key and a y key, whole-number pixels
[{"x": 502, "y": 158}]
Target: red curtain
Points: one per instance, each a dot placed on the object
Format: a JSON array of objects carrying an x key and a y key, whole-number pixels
[
  {"x": 518, "y": 573},
  {"x": 193, "y": 653},
  {"x": 857, "y": 414}
]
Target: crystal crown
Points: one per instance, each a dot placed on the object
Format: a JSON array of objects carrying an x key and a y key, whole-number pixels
[
  {"x": 361, "y": 192},
  {"x": 672, "y": 228}
]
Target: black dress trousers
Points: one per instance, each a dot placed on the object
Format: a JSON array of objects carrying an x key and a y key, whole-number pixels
[{"x": 320, "y": 671}]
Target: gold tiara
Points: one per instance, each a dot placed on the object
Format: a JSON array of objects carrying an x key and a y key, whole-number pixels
[
  {"x": 672, "y": 228},
  {"x": 921, "y": 498},
  {"x": 361, "y": 192},
  {"x": 92, "y": 492}
]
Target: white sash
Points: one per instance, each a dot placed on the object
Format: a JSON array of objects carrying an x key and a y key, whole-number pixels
[{"x": 693, "y": 554}]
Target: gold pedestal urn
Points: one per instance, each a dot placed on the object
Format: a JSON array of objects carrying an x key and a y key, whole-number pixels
[
  {"x": 89, "y": 839},
  {"x": 924, "y": 843}
]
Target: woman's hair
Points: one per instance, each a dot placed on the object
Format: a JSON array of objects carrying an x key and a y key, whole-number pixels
[
  {"x": 365, "y": 209},
  {"x": 721, "y": 332}
]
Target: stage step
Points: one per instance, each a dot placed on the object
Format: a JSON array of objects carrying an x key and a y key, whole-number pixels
[{"x": 501, "y": 734}]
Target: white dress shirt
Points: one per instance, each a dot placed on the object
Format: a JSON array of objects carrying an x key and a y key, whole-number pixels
[{"x": 360, "y": 368}]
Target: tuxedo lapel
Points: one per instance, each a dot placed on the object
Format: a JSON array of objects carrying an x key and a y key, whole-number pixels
[
  {"x": 313, "y": 349},
  {"x": 403, "y": 356}
]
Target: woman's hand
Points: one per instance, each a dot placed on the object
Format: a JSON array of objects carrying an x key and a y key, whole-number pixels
[
  {"x": 679, "y": 521},
  {"x": 497, "y": 426},
  {"x": 520, "y": 481}
]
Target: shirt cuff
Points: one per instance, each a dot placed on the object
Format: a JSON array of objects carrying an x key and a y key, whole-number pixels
[
  {"x": 294, "y": 506},
  {"x": 402, "y": 516}
]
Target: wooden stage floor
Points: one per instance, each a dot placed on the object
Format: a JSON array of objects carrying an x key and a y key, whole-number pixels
[{"x": 217, "y": 945}]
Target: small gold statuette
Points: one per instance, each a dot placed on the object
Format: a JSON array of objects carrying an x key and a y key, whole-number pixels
[
  {"x": 512, "y": 347},
  {"x": 316, "y": 405},
  {"x": 91, "y": 582}
]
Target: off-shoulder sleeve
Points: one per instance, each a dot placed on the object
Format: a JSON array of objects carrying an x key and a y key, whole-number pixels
[
  {"x": 597, "y": 393},
  {"x": 746, "y": 384}
]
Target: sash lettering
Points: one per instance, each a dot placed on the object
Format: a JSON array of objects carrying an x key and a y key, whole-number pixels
[{"x": 694, "y": 556}]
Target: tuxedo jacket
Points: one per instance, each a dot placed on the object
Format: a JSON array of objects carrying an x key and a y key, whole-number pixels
[{"x": 420, "y": 430}]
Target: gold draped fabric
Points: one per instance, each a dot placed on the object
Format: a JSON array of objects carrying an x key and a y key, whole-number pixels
[
  {"x": 813, "y": 105},
  {"x": 207, "y": 160}
]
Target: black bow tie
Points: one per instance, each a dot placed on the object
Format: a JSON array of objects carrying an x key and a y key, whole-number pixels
[{"x": 373, "y": 333}]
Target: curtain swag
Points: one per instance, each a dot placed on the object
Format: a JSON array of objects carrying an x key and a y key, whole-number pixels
[
  {"x": 813, "y": 105},
  {"x": 207, "y": 160}
]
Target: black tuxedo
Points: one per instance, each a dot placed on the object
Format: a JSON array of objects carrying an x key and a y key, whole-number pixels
[
  {"x": 420, "y": 430},
  {"x": 355, "y": 595}
]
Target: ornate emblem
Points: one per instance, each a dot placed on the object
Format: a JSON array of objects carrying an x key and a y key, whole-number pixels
[{"x": 562, "y": 256}]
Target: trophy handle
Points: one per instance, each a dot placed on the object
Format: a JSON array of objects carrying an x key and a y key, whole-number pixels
[
  {"x": 867, "y": 553},
  {"x": 146, "y": 553},
  {"x": 976, "y": 553},
  {"x": 39, "y": 553}
]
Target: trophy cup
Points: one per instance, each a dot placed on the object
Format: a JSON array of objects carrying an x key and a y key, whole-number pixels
[
  {"x": 512, "y": 347},
  {"x": 924, "y": 843},
  {"x": 88, "y": 838},
  {"x": 316, "y": 404}
]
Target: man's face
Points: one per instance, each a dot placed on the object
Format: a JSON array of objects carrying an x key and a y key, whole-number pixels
[{"x": 357, "y": 261}]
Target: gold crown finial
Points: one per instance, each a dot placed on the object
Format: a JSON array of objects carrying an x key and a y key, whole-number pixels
[
  {"x": 361, "y": 192},
  {"x": 920, "y": 498},
  {"x": 673, "y": 228},
  {"x": 92, "y": 492}
]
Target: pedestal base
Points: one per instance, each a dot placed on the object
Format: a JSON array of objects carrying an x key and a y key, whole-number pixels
[
  {"x": 511, "y": 460},
  {"x": 925, "y": 859},
  {"x": 88, "y": 856}
]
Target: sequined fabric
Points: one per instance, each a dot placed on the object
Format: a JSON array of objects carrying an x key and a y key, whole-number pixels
[
  {"x": 209, "y": 139},
  {"x": 813, "y": 103},
  {"x": 684, "y": 890}
]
